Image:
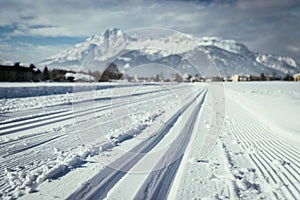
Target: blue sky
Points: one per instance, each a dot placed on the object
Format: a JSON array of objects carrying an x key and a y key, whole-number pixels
[{"x": 32, "y": 30}]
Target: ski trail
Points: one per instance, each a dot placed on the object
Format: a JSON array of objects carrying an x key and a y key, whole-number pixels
[{"x": 276, "y": 158}]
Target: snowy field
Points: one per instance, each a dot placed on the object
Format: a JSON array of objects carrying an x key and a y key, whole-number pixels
[{"x": 151, "y": 141}]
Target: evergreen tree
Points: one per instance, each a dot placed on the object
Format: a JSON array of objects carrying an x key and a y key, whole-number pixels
[
  {"x": 110, "y": 73},
  {"x": 262, "y": 77},
  {"x": 46, "y": 74}
]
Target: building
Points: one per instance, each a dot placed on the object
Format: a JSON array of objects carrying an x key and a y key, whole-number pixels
[
  {"x": 227, "y": 79},
  {"x": 235, "y": 78},
  {"x": 19, "y": 73},
  {"x": 296, "y": 77}
]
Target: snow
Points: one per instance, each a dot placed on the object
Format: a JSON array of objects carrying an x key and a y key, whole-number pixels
[
  {"x": 126, "y": 141},
  {"x": 233, "y": 175},
  {"x": 230, "y": 57},
  {"x": 80, "y": 77},
  {"x": 228, "y": 45},
  {"x": 270, "y": 101},
  {"x": 126, "y": 66},
  {"x": 266, "y": 58}
]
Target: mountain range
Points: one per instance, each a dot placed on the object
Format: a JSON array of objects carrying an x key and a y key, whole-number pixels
[{"x": 184, "y": 53}]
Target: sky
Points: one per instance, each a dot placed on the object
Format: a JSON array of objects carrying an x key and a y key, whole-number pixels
[{"x": 33, "y": 30}]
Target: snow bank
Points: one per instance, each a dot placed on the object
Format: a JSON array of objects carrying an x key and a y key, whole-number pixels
[
  {"x": 118, "y": 135},
  {"x": 21, "y": 183},
  {"x": 52, "y": 169}
]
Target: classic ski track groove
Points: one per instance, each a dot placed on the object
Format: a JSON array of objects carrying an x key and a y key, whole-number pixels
[
  {"x": 100, "y": 184},
  {"x": 269, "y": 148},
  {"x": 40, "y": 141}
]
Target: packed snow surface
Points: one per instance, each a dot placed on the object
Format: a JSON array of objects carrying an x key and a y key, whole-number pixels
[{"x": 150, "y": 141}]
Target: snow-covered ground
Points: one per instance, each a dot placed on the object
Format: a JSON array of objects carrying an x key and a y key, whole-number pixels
[{"x": 150, "y": 141}]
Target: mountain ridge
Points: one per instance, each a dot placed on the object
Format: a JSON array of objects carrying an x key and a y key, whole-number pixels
[{"x": 229, "y": 56}]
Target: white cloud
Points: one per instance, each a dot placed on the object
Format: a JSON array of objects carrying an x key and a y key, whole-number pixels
[{"x": 28, "y": 53}]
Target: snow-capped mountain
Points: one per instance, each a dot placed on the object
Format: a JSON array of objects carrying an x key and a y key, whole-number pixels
[
  {"x": 127, "y": 51},
  {"x": 106, "y": 44},
  {"x": 280, "y": 63}
]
